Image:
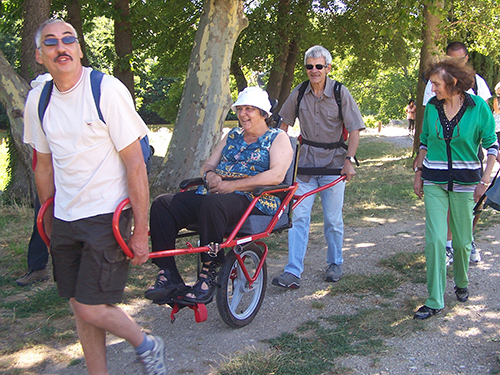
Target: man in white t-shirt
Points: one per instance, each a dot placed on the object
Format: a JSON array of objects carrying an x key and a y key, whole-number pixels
[
  {"x": 481, "y": 89},
  {"x": 89, "y": 166},
  {"x": 458, "y": 50}
]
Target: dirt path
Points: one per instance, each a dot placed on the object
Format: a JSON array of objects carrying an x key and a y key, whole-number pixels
[{"x": 464, "y": 339}]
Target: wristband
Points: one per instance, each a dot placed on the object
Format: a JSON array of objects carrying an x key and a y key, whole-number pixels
[{"x": 483, "y": 183}]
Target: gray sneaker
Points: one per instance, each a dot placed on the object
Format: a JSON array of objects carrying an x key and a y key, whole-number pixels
[
  {"x": 154, "y": 359},
  {"x": 333, "y": 272},
  {"x": 287, "y": 280},
  {"x": 32, "y": 276}
]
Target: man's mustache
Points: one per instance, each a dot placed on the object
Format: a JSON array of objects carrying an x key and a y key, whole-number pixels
[{"x": 63, "y": 55}]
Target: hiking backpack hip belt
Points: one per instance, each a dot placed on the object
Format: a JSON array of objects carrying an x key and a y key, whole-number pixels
[{"x": 327, "y": 146}]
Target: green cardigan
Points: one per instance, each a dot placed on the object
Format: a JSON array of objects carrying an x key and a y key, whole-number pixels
[{"x": 475, "y": 128}]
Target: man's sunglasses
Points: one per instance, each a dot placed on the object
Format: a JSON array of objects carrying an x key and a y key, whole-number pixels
[
  {"x": 70, "y": 39},
  {"x": 318, "y": 66}
]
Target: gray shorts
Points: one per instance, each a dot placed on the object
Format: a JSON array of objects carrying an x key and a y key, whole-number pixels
[{"x": 89, "y": 265}]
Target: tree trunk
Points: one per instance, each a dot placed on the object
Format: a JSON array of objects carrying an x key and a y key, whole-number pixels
[
  {"x": 431, "y": 38},
  {"x": 206, "y": 98},
  {"x": 75, "y": 18},
  {"x": 13, "y": 92},
  {"x": 239, "y": 76},
  {"x": 274, "y": 85},
  {"x": 286, "y": 84},
  {"x": 35, "y": 12},
  {"x": 123, "y": 45}
]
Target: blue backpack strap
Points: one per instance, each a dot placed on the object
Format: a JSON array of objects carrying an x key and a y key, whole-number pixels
[
  {"x": 44, "y": 100},
  {"x": 95, "y": 84}
]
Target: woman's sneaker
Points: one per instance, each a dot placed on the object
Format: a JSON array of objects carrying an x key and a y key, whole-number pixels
[
  {"x": 474, "y": 253},
  {"x": 462, "y": 294},
  {"x": 425, "y": 312}
]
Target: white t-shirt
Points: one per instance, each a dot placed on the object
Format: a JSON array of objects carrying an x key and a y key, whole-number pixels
[
  {"x": 90, "y": 177},
  {"x": 483, "y": 90}
]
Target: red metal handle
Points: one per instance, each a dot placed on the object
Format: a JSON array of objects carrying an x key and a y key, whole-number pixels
[
  {"x": 39, "y": 220},
  {"x": 116, "y": 228},
  {"x": 300, "y": 198}
]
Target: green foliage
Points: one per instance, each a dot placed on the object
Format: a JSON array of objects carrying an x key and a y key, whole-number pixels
[
  {"x": 370, "y": 121},
  {"x": 100, "y": 44},
  {"x": 11, "y": 13},
  {"x": 486, "y": 67}
]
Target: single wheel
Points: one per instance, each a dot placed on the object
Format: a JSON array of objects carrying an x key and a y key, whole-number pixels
[{"x": 238, "y": 304}]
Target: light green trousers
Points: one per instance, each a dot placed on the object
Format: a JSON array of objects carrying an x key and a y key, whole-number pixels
[{"x": 437, "y": 202}]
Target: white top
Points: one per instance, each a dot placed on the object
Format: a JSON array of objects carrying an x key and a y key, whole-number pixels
[
  {"x": 90, "y": 177},
  {"x": 483, "y": 90}
]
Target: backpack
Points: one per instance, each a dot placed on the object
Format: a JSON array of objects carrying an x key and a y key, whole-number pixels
[
  {"x": 332, "y": 145},
  {"x": 338, "y": 99},
  {"x": 95, "y": 84}
]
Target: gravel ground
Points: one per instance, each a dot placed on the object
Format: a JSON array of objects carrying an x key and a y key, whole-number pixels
[{"x": 464, "y": 339}]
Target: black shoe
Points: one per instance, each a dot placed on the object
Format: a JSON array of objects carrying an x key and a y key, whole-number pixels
[
  {"x": 166, "y": 286},
  {"x": 209, "y": 272},
  {"x": 425, "y": 312},
  {"x": 462, "y": 294}
]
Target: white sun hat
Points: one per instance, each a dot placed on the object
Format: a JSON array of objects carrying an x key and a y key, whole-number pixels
[
  {"x": 497, "y": 86},
  {"x": 255, "y": 97}
]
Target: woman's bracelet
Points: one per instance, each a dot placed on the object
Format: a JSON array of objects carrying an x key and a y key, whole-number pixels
[{"x": 483, "y": 183}]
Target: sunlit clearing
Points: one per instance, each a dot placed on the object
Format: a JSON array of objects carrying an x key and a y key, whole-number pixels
[
  {"x": 365, "y": 244},
  {"x": 473, "y": 331},
  {"x": 377, "y": 220}
]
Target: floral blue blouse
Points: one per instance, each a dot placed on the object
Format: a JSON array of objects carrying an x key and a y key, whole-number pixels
[{"x": 240, "y": 160}]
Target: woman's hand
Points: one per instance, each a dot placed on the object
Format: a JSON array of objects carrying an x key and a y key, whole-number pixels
[
  {"x": 222, "y": 187},
  {"x": 479, "y": 191},
  {"x": 216, "y": 185},
  {"x": 418, "y": 185}
]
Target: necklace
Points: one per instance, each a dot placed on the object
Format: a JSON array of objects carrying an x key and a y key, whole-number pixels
[{"x": 458, "y": 109}]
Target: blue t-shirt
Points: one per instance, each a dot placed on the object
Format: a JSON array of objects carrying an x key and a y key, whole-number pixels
[{"x": 240, "y": 159}]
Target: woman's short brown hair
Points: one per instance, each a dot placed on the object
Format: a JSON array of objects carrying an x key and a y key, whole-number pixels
[{"x": 450, "y": 68}]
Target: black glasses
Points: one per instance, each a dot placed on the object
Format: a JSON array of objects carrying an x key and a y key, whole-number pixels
[
  {"x": 318, "y": 66},
  {"x": 442, "y": 138},
  {"x": 70, "y": 39}
]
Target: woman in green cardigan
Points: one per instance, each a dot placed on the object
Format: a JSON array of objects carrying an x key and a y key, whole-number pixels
[{"x": 449, "y": 176}]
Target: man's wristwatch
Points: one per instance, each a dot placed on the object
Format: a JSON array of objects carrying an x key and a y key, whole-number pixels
[
  {"x": 351, "y": 159},
  {"x": 418, "y": 169}
]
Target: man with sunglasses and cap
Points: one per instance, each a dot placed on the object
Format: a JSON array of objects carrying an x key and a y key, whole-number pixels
[
  {"x": 89, "y": 165},
  {"x": 323, "y": 158}
]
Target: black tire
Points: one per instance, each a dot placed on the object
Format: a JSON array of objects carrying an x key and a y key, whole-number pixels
[{"x": 237, "y": 304}]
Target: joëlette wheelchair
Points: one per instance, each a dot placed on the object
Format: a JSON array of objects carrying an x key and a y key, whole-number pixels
[{"x": 243, "y": 275}]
